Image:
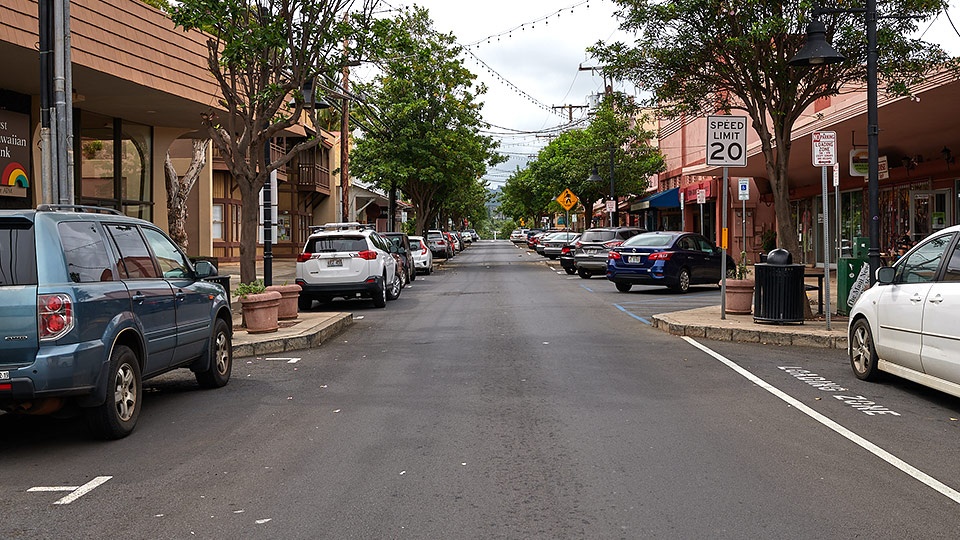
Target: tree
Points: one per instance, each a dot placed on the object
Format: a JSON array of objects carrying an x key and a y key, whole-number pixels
[
  {"x": 262, "y": 53},
  {"x": 422, "y": 119},
  {"x": 567, "y": 163},
  {"x": 700, "y": 57},
  {"x": 179, "y": 188}
]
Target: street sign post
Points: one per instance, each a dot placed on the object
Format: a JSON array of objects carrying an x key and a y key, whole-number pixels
[
  {"x": 824, "y": 145},
  {"x": 726, "y": 147}
]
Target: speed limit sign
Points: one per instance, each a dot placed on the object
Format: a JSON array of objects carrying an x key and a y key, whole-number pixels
[{"x": 727, "y": 141}]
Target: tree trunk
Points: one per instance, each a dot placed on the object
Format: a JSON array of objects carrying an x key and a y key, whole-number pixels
[
  {"x": 178, "y": 190},
  {"x": 249, "y": 222}
]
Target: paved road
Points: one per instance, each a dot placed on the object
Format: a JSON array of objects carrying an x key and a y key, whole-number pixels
[{"x": 498, "y": 399}]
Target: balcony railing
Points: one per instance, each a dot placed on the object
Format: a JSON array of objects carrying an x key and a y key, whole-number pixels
[{"x": 313, "y": 178}]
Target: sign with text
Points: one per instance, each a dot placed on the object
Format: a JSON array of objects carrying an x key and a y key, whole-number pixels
[
  {"x": 727, "y": 141},
  {"x": 14, "y": 154},
  {"x": 824, "y": 148},
  {"x": 701, "y": 196},
  {"x": 743, "y": 190}
]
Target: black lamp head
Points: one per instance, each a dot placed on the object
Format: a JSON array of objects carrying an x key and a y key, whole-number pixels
[{"x": 817, "y": 50}]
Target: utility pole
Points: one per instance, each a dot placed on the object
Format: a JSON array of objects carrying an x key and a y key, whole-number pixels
[
  {"x": 569, "y": 109},
  {"x": 345, "y": 139}
]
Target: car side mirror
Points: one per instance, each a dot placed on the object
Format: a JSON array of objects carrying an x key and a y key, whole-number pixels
[
  {"x": 204, "y": 269},
  {"x": 886, "y": 275}
]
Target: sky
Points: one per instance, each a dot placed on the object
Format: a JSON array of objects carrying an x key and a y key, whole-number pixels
[{"x": 529, "y": 54}]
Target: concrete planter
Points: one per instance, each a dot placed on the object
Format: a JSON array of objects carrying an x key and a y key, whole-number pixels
[
  {"x": 739, "y": 297},
  {"x": 260, "y": 312},
  {"x": 290, "y": 294}
]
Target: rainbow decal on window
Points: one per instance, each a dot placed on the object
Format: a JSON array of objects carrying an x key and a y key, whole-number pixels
[{"x": 14, "y": 174}]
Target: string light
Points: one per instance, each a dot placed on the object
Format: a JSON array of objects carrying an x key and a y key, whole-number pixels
[{"x": 523, "y": 27}]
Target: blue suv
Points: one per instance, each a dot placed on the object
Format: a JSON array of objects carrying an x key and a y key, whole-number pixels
[{"x": 95, "y": 302}]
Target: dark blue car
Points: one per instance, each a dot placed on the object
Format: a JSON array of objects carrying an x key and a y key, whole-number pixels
[{"x": 668, "y": 258}]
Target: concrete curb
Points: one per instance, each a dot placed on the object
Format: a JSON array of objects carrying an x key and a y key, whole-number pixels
[
  {"x": 310, "y": 335},
  {"x": 681, "y": 324}
]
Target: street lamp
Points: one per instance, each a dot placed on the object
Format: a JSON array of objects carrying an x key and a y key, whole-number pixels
[{"x": 816, "y": 51}]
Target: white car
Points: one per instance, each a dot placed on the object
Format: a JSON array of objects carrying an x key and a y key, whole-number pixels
[
  {"x": 346, "y": 260},
  {"x": 519, "y": 236},
  {"x": 422, "y": 256},
  {"x": 906, "y": 324}
]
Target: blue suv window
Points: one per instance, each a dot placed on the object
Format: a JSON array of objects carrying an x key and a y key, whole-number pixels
[
  {"x": 18, "y": 259},
  {"x": 135, "y": 259},
  {"x": 85, "y": 252}
]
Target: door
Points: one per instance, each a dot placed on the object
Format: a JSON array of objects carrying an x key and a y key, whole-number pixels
[
  {"x": 151, "y": 298},
  {"x": 193, "y": 302},
  {"x": 940, "y": 351},
  {"x": 901, "y": 305},
  {"x": 930, "y": 211}
]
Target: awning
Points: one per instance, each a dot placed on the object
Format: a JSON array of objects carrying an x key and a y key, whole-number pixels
[{"x": 665, "y": 199}]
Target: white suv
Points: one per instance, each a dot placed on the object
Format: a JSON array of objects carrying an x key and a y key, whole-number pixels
[{"x": 346, "y": 260}]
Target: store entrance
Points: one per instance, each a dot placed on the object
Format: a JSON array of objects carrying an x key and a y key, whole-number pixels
[{"x": 930, "y": 211}]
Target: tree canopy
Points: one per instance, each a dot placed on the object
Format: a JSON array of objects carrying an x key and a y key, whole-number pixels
[
  {"x": 699, "y": 57},
  {"x": 422, "y": 129},
  {"x": 567, "y": 162}
]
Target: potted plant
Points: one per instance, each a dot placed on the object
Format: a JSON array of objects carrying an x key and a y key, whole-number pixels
[
  {"x": 739, "y": 289},
  {"x": 260, "y": 307},
  {"x": 289, "y": 297}
]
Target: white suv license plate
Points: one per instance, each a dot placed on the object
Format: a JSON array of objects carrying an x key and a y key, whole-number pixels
[
  {"x": 334, "y": 262},
  {"x": 4, "y": 375}
]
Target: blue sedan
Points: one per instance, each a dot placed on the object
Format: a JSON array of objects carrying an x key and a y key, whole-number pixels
[{"x": 672, "y": 259}]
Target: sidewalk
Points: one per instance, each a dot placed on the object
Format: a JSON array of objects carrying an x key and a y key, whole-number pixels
[
  {"x": 308, "y": 330},
  {"x": 706, "y": 323}
]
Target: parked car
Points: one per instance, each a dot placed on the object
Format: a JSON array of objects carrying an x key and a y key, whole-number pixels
[
  {"x": 906, "y": 324},
  {"x": 567, "y": 260},
  {"x": 422, "y": 256},
  {"x": 518, "y": 236},
  {"x": 553, "y": 245},
  {"x": 347, "y": 260},
  {"x": 438, "y": 244},
  {"x": 466, "y": 236},
  {"x": 95, "y": 303},
  {"x": 474, "y": 236},
  {"x": 672, "y": 259},
  {"x": 455, "y": 245},
  {"x": 593, "y": 246},
  {"x": 402, "y": 244}
]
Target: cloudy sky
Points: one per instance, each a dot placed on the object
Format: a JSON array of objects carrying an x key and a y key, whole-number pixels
[{"x": 528, "y": 52}]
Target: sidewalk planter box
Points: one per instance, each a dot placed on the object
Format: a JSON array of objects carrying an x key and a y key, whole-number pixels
[
  {"x": 739, "y": 296},
  {"x": 261, "y": 312},
  {"x": 289, "y": 297}
]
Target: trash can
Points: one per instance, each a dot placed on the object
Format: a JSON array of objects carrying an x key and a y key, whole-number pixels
[
  {"x": 778, "y": 294},
  {"x": 223, "y": 281},
  {"x": 848, "y": 269}
]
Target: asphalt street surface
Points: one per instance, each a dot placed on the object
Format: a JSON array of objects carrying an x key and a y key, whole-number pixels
[{"x": 498, "y": 398}]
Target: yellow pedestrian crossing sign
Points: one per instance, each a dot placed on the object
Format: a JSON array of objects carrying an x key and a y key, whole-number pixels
[{"x": 567, "y": 199}]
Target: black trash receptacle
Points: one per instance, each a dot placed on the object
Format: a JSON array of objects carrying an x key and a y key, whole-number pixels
[
  {"x": 223, "y": 281},
  {"x": 778, "y": 294}
]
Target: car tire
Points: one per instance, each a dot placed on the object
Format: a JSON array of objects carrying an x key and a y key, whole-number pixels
[
  {"x": 863, "y": 354},
  {"x": 683, "y": 281},
  {"x": 380, "y": 293},
  {"x": 413, "y": 274},
  {"x": 393, "y": 292},
  {"x": 116, "y": 417},
  {"x": 584, "y": 274},
  {"x": 304, "y": 303},
  {"x": 570, "y": 271},
  {"x": 217, "y": 373},
  {"x": 623, "y": 286}
]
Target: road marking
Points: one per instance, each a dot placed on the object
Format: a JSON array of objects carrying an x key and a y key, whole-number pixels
[
  {"x": 77, "y": 491},
  {"x": 637, "y": 317},
  {"x": 283, "y": 359},
  {"x": 905, "y": 467},
  {"x": 587, "y": 288}
]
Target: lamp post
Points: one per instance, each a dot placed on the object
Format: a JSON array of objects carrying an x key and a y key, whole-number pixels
[{"x": 817, "y": 51}]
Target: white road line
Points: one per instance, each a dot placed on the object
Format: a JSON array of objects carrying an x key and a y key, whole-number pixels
[
  {"x": 905, "y": 467},
  {"x": 77, "y": 491}
]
